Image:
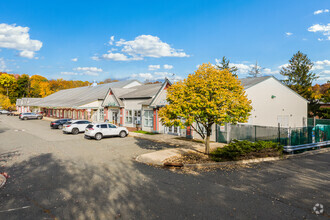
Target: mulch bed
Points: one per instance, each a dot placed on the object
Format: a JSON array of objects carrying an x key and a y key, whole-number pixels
[
  {"x": 200, "y": 158},
  {"x": 190, "y": 158}
]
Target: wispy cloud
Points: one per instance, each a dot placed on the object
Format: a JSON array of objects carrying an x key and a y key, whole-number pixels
[
  {"x": 167, "y": 67},
  {"x": 84, "y": 71},
  {"x": 153, "y": 67},
  {"x": 323, "y": 29},
  {"x": 156, "y": 76},
  {"x": 321, "y": 11}
]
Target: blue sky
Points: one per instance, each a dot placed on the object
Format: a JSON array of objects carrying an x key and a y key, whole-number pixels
[{"x": 94, "y": 40}]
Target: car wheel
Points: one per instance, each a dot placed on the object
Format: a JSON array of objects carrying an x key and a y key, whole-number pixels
[
  {"x": 60, "y": 127},
  {"x": 75, "y": 131},
  {"x": 24, "y": 118},
  {"x": 122, "y": 134},
  {"x": 98, "y": 136}
]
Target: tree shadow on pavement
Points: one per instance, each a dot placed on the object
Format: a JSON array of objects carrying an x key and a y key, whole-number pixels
[
  {"x": 66, "y": 190},
  {"x": 152, "y": 145},
  {"x": 51, "y": 188}
]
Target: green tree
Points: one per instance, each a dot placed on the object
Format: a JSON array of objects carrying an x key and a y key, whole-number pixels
[
  {"x": 207, "y": 97},
  {"x": 224, "y": 64},
  {"x": 255, "y": 70},
  {"x": 300, "y": 78},
  {"x": 298, "y": 74},
  {"x": 7, "y": 81},
  {"x": 23, "y": 85}
]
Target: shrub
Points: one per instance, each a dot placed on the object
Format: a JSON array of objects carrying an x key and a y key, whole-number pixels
[{"x": 242, "y": 149}]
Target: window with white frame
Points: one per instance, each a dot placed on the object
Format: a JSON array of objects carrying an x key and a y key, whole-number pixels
[
  {"x": 137, "y": 117},
  {"x": 148, "y": 118},
  {"x": 129, "y": 117}
]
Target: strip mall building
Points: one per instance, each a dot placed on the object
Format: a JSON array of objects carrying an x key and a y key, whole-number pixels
[
  {"x": 135, "y": 105},
  {"x": 126, "y": 103}
]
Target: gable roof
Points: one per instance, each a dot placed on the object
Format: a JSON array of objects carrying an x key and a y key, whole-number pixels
[
  {"x": 159, "y": 91},
  {"x": 76, "y": 97},
  {"x": 142, "y": 91},
  {"x": 252, "y": 81}
]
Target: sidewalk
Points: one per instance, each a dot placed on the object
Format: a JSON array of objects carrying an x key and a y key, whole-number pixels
[{"x": 184, "y": 146}]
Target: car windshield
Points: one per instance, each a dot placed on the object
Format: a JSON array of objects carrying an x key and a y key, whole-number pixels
[
  {"x": 69, "y": 122},
  {"x": 90, "y": 126}
]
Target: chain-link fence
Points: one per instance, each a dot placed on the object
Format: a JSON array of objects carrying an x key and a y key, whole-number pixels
[{"x": 284, "y": 136}]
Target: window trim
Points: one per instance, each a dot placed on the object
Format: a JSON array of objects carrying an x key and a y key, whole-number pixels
[{"x": 148, "y": 118}]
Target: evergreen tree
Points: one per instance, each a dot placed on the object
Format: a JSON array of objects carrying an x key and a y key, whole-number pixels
[
  {"x": 23, "y": 85},
  {"x": 255, "y": 71},
  {"x": 225, "y": 65},
  {"x": 299, "y": 76}
]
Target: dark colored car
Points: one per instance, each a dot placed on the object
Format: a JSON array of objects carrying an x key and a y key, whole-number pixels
[{"x": 59, "y": 123}]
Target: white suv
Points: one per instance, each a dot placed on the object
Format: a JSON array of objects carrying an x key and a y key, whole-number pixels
[
  {"x": 75, "y": 126},
  {"x": 100, "y": 130}
]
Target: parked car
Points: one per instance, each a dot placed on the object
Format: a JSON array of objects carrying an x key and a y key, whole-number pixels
[
  {"x": 30, "y": 115},
  {"x": 100, "y": 130},
  {"x": 2, "y": 111},
  {"x": 59, "y": 123},
  {"x": 75, "y": 126}
]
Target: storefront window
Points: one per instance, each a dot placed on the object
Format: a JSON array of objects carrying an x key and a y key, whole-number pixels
[
  {"x": 137, "y": 117},
  {"x": 128, "y": 117},
  {"x": 148, "y": 118}
]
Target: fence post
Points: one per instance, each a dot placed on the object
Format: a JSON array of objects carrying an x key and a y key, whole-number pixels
[
  {"x": 216, "y": 132},
  {"x": 255, "y": 133},
  {"x": 314, "y": 121},
  {"x": 289, "y": 135},
  {"x": 228, "y": 133},
  {"x": 279, "y": 133}
]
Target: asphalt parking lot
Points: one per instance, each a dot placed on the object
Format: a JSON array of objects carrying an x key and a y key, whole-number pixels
[{"x": 58, "y": 176}]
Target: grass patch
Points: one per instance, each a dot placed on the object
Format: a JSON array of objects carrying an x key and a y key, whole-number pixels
[
  {"x": 144, "y": 132},
  {"x": 240, "y": 150}
]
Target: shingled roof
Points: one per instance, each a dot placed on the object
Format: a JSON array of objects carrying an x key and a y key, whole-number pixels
[
  {"x": 143, "y": 91},
  {"x": 73, "y": 98},
  {"x": 249, "y": 82},
  {"x": 27, "y": 101}
]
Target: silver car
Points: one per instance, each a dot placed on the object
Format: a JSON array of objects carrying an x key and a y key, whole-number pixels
[
  {"x": 100, "y": 130},
  {"x": 2, "y": 111},
  {"x": 30, "y": 115}
]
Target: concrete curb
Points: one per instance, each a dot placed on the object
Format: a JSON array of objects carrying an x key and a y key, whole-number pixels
[
  {"x": 256, "y": 160},
  {"x": 227, "y": 163}
]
